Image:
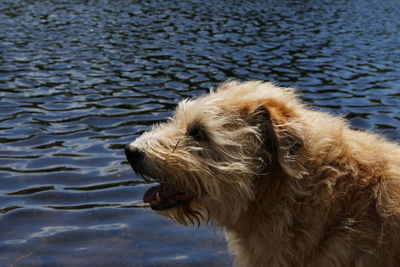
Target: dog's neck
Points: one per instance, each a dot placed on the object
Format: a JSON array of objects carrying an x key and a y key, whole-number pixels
[
  {"x": 269, "y": 198},
  {"x": 268, "y": 220}
]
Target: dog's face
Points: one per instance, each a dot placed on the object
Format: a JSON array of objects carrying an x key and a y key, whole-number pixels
[{"x": 209, "y": 157}]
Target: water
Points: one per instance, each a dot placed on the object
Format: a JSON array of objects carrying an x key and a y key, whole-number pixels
[{"x": 80, "y": 79}]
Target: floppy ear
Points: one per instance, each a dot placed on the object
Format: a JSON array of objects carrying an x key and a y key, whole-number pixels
[
  {"x": 262, "y": 119},
  {"x": 280, "y": 139}
]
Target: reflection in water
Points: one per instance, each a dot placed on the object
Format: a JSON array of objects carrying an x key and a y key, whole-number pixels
[
  {"x": 15, "y": 241},
  {"x": 107, "y": 227},
  {"x": 52, "y": 230},
  {"x": 78, "y": 81}
]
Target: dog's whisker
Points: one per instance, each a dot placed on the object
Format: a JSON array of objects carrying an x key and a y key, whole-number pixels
[{"x": 177, "y": 143}]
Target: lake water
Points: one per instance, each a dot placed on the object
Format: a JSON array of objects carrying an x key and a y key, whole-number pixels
[{"x": 80, "y": 79}]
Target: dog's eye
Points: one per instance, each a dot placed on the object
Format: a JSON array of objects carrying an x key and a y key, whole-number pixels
[{"x": 197, "y": 133}]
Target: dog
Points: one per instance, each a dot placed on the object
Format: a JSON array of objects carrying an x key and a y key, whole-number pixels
[{"x": 290, "y": 185}]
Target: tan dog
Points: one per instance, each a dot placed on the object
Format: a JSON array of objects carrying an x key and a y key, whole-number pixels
[{"x": 291, "y": 186}]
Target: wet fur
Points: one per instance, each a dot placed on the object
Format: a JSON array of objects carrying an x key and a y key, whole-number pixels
[{"x": 291, "y": 186}]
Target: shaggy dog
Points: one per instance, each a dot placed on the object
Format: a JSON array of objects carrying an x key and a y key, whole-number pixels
[{"x": 291, "y": 186}]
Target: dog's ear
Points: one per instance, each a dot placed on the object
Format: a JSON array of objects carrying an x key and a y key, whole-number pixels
[
  {"x": 262, "y": 119},
  {"x": 281, "y": 139}
]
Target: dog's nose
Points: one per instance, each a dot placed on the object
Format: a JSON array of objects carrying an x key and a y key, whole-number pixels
[{"x": 133, "y": 154}]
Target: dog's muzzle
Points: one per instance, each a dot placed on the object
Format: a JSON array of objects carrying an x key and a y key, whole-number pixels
[
  {"x": 160, "y": 197},
  {"x": 134, "y": 156}
]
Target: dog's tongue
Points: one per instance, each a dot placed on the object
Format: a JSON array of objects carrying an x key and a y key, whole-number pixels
[{"x": 159, "y": 197}]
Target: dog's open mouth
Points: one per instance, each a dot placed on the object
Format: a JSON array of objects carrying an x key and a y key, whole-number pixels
[{"x": 160, "y": 197}]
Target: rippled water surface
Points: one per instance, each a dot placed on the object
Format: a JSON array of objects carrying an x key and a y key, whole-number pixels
[{"x": 79, "y": 79}]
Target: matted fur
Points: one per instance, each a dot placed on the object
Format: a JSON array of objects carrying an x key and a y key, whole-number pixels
[{"x": 291, "y": 186}]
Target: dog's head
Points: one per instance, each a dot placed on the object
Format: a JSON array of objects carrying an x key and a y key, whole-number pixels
[{"x": 212, "y": 156}]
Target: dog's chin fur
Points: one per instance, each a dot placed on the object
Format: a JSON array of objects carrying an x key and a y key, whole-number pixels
[{"x": 292, "y": 186}]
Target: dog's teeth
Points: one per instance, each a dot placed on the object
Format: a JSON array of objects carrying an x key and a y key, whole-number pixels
[{"x": 158, "y": 198}]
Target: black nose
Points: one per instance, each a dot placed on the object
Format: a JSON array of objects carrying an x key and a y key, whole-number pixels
[{"x": 133, "y": 154}]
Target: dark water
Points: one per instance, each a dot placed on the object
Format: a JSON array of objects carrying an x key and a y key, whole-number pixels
[{"x": 79, "y": 79}]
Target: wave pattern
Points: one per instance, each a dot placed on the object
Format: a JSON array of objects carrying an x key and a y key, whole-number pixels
[{"x": 80, "y": 79}]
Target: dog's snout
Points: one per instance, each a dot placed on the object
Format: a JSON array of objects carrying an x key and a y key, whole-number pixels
[{"x": 133, "y": 154}]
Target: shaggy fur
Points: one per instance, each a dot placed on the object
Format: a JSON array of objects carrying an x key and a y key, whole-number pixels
[{"x": 291, "y": 186}]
